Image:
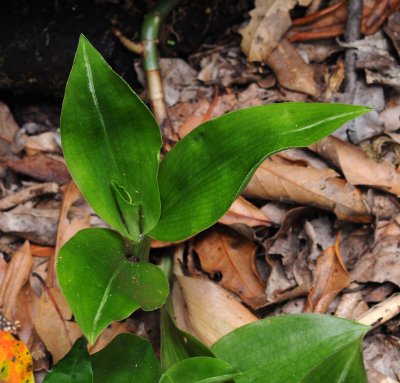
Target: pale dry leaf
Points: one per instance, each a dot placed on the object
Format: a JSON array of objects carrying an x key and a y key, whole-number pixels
[
  {"x": 212, "y": 311},
  {"x": 321, "y": 188},
  {"x": 8, "y": 129},
  {"x": 44, "y": 142},
  {"x": 17, "y": 274},
  {"x": 53, "y": 323},
  {"x": 331, "y": 277},
  {"x": 292, "y": 71},
  {"x": 367, "y": 172},
  {"x": 269, "y": 21},
  {"x": 107, "y": 335},
  {"x": 67, "y": 227},
  {"x": 380, "y": 264},
  {"x": 231, "y": 258},
  {"x": 242, "y": 211}
]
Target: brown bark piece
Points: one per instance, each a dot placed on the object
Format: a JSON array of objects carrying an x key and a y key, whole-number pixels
[{"x": 233, "y": 257}]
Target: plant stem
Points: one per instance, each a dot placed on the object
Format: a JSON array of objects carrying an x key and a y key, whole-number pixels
[
  {"x": 141, "y": 249},
  {"x": 149, "y": 36}
]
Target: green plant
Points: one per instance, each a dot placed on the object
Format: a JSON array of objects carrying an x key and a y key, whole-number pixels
[{"x": 111, "y": 144}]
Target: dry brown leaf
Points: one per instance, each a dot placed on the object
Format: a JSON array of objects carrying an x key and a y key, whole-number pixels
[
  {"x": 107, "y": 335},
  {"x": 67, "y": 227},
  {"x": 331, "y": 278},
  {"x": 8, "y": 129},
  {"x": 379, "y": 264},
  {"x": 368, "y": 172},
  {"x": 211, "y": 310},
  {"x": 287, "y": 254},
  {"x": 53, "y": 323},
  {"x": 44, "y": 142},
  {"x": 232, "y": 258},
  {"x": 42, "y": 167},
  {"x": 292, "y": 71},
  {"x": 242, "y": 211},
  {"x": 15, "y": 278},
  {"x": 42, "y": 251},
  {"x": 321, "y": 188},
  {"x": 270, "y": 20}
]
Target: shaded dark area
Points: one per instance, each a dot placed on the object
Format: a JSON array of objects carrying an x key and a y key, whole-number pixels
[{"x": 38, "y": 39}]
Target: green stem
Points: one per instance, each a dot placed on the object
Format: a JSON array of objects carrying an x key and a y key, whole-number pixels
[
  {"x": 149, "y": 35},
  {"x": 141, "y": 249},
  {"x": 150, "y": 29}
]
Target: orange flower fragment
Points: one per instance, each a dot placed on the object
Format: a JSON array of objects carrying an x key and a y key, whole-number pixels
[{"x": 16, "y": 364}]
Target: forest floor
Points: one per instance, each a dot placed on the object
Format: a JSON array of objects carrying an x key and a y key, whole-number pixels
[{"x": 316, "y": 230}]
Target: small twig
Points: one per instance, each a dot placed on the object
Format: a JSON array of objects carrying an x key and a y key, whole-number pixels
[
  {"x": 352, "y": 33},
  {"x": 127, "y": 43},
  {"x": 27, "y": 194},
  {"x": 381, "y": 312}
]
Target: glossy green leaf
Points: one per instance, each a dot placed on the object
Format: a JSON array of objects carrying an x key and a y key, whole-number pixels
[
  {"x": 203, "y": 174},
  {"x": 101, "y": 286},
  {"x": 177, "y": 345},
  {"x": 74, "y": 367},
  {"x": 296, "y": 348},
  {"x": 111, "y": 144},
  {"x": 127, "y": 359},
  {"x": 200, "y": 370}
]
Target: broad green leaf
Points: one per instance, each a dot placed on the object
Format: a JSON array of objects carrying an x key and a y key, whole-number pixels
[
  {"x": 127, "y": 359},
  {"x": 74, "y": 367},
  {"x": 101, "y": 286},
  {"x": 111, "y": 144},
  {"x": 177, "y": 345},
  {"x": 200, "y": 370},
  {"x": 296, "y": 348},
  {"x": 203, "y": 174}
]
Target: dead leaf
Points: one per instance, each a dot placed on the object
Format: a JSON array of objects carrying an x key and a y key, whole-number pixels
[
  {"x": 67, "y": 226},
  {"x": 16, "y": 276},
  {"x": 331, "y": 277},
  {"x": 292, "y": 71},
  {"x": 269, "y": 21},
  {"x": 231, "y": 259},
  {"x": 287, "y": 254},
  {"x": 107, "y": 335},
  {"x": 368, "y": 172},
  {"x": 44, "y": 142},
  {"x": 211, "y": 310},
  {"x": 53, "y": 323},
  {"x": 41, "y": 251},
  {"x": 8, "y": 129},
  {"x": 380, "y": 263},
  {"x": 42, "y": 167},
  {"x": 321, "y": 188},
  {"x": 242, "y": 211},
  {"x": 16, "y": 361}
]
